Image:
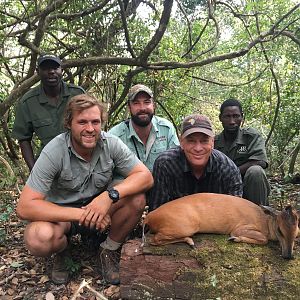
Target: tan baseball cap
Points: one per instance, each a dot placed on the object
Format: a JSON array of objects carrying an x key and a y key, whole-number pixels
[
  {"x": 196, "y": 123},
  {"x": 137, "y": 89}
]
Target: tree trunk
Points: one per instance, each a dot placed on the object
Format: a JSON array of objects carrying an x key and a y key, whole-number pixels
[{"x": 293, "y": 158}]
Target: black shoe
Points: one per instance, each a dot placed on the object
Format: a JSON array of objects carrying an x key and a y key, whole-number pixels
[
  {"x": 109, "y": 265},
  {"x": 60, "y": 273}
]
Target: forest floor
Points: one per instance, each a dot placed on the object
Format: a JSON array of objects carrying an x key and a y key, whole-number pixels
[{"x": 23, "y": 276}]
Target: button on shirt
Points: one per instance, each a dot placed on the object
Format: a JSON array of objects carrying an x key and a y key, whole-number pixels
[
  {"x": 65, "y": 178},
  {"x": 35, "y": 114},
  {"x": 162, "y": 137},
  {"x": 173, "y": 177},
  {"x": 248, "y": 145}
]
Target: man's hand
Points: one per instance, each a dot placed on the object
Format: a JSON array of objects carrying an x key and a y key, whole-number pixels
[
  {"x": 105, "y": 222},
  {"x": 95, "y": 213}
]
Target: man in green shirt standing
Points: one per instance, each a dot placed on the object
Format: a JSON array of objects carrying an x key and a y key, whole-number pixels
[
  {"x": 145, "y": 134},
  {"x": 41, "y": 109},
  {"x": 246, "y": 148}
]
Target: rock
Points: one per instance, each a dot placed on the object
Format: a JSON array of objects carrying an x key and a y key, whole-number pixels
[{"x": 216, "y": 269}]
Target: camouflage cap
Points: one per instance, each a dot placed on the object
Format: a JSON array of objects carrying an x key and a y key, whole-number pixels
[
  {"x": 196, "y": 123},
  {"x": 137, "y": 89},
  {"x": 51, "y": 57}
]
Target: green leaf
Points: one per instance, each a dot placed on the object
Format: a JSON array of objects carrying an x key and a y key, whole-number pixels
[{"x": 16, "y": 264}]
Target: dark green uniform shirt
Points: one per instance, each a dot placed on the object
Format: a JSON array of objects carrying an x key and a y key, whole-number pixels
[
  {"x": 248, "y": 145},
  {"x": 35, "y": 114}
]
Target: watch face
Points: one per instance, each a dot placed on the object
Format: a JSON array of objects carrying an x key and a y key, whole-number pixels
[{"x": 113, "y": 194}]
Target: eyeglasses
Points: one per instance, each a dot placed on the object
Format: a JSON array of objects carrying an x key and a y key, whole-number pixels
[{"x": 228, "y": 117}]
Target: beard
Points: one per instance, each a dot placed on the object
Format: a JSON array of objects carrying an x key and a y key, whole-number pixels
[{"x": 142, "y": 122}]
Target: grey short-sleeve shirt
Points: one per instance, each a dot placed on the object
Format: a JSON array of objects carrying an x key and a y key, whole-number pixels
[{"x": 66, "y": 178}]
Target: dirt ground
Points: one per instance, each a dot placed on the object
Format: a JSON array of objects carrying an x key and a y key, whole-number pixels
[{"x": 23, "y": 276}]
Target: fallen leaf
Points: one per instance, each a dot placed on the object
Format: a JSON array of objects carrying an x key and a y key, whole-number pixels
[
  {"x": 15, "y": 280},
  {"x": 74, "y": 287},
  {"x": 44, "y": 279},
  {"x": 10, "y": 292},
  {"x": 16, "y": 264},
  {"x": 32, "y": 272},
  {"x": 50, "y": 296},
  {"x": 23, "y": 279},
  {"x": 112, "y": 292}
]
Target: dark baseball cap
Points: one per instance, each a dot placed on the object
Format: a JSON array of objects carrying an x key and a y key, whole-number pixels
[
  {"x": 196, "y": 123},
  {"x": 137, "y": 89},
  {"x": 51, "y": 57}
]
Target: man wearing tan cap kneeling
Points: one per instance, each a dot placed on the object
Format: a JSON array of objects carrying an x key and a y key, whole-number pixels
[{"x": 194, "y": 166}]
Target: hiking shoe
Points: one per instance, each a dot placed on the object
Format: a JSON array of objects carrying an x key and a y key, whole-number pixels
[
  {"x": 60, "y": 274},
  {"x": 109, "y": 265}
]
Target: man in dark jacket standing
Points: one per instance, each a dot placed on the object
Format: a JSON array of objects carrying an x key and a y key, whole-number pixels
[
  {"x": 41, "y": 109},
  {"x": 246, "y": 147}
]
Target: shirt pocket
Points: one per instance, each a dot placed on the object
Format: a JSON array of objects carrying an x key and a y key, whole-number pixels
[
  {"x": 69, "y": 181},
  {"x": 103, "y": 177},
  {"x": 43, "y": 127},
  {"x": 155, "y": 151}
]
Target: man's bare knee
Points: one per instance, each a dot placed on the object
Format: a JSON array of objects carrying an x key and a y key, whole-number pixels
[
  {"x": 135, "y": 204},
  {"x": 138, "y": 202},
  {"x": 43, "y": 238}
]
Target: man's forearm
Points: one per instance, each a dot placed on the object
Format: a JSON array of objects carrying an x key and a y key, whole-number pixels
[
  {"x": 42, "y": 210},
  {"x": 27, "y": 153},
  {"x": 244, "y": 167},
  {"x": 138, "y": 182}
]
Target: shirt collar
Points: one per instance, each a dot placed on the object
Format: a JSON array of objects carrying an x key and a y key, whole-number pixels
[
  {"x": 238, "y": 139},
  {"x": 43, "y": 97},
  {"x": 99, "y": 146}
]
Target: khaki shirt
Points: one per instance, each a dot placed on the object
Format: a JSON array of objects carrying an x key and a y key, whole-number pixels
[
  {"x": 65, "y": 178},
  {"x": 161, "y": 138},
  {"x": 248, "y": 145},
  {"x": 35, "y": 114}
]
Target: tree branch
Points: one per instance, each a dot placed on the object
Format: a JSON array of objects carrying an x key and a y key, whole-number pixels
[
  {"x": 127, "y": 38},
  {"x": 230, "y": 84},
  {"x": 217, "y": 37},
  {"x": 164, "y": 20},
  {"x": 168, "y": 114},
  {"x": 17, "y": 92},
  {"x": 188, "y": 25},
  {"x": 276, "y": 85},
  {"x": 197, "y": 39}
]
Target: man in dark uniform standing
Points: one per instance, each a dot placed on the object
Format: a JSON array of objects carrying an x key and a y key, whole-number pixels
[
  {"x": 246, "y": 147},
  {"x": 41, "y": 109}
]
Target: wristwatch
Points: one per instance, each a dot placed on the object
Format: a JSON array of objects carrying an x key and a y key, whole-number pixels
[{"x": 113, "y": 194}]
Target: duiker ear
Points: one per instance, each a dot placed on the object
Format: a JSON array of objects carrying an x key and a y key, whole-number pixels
[
  {"x": 291, "y": 215},
  {"x": 289, "y": 209},
  {"x": 269, "y": 210},
  {"x": 292, "y": 211}
]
